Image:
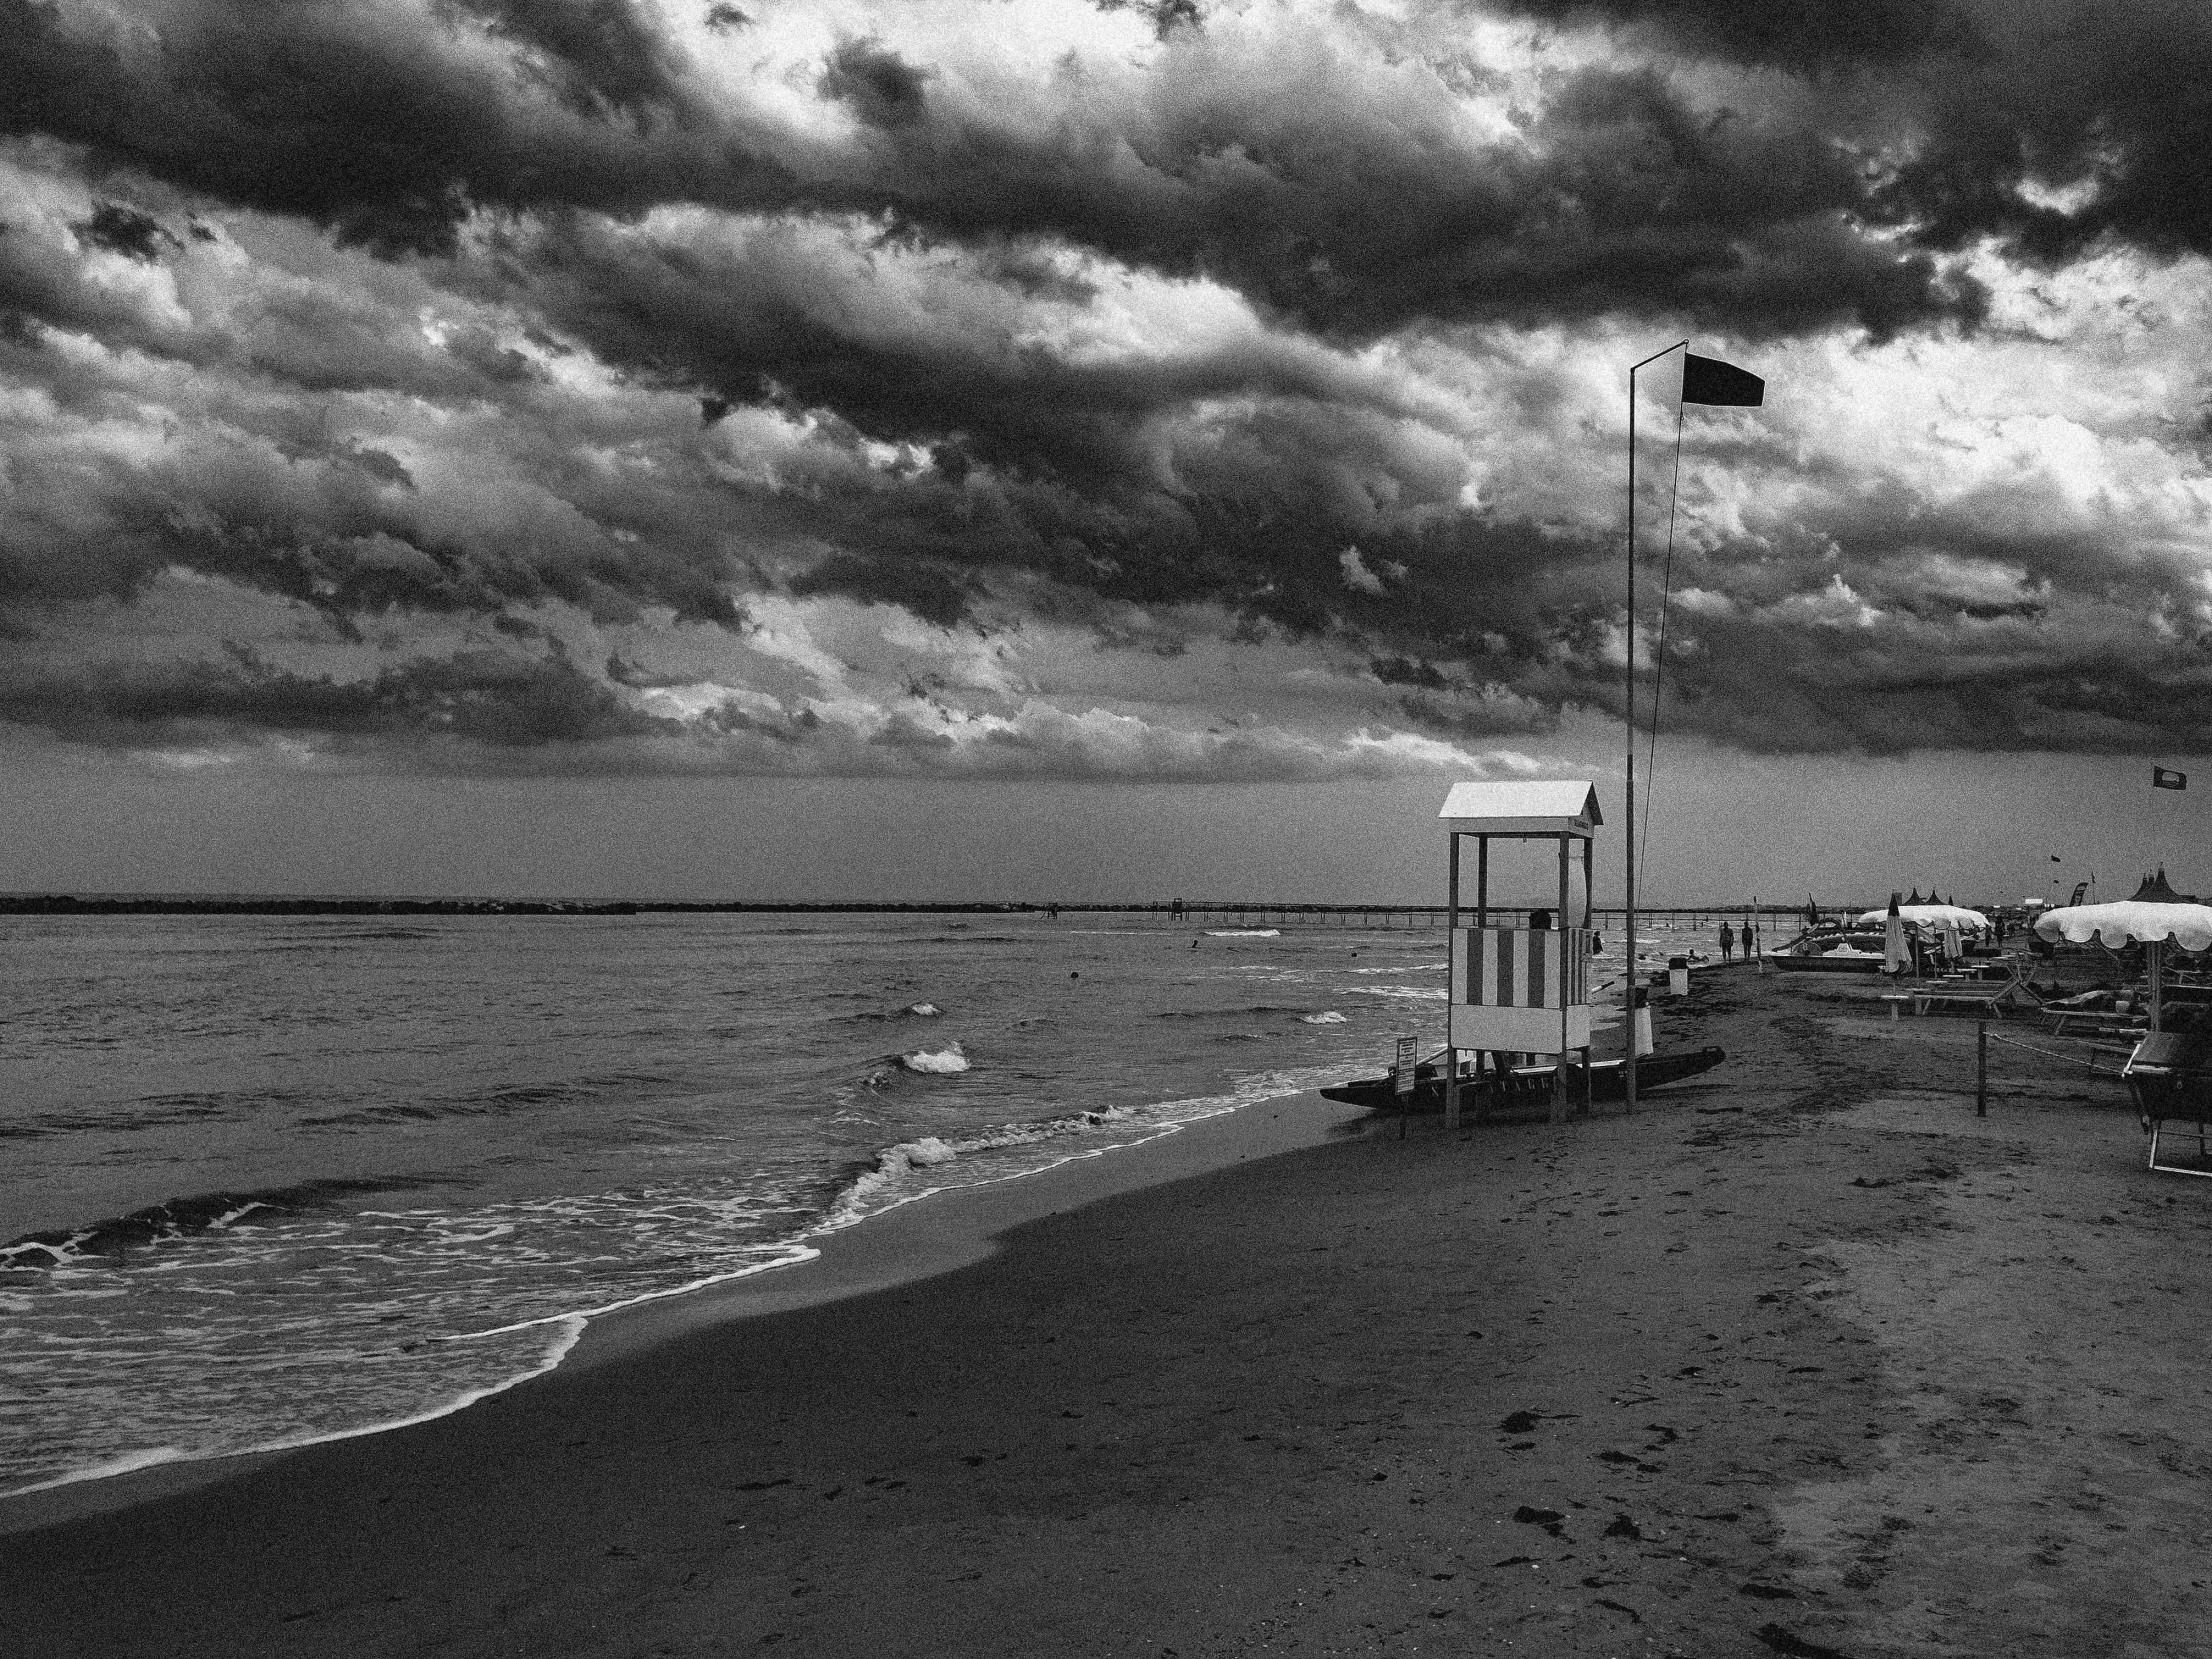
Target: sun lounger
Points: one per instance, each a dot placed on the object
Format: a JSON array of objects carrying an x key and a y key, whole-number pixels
[
  {"x": 1974, "y": 996},
  {"x": 2061, "y": 1021}
]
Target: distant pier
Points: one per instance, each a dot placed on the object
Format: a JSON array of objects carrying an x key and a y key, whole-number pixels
[{"x": 1171, "y": 914}]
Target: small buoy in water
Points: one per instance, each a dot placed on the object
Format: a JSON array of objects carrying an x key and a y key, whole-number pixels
[{"x": 1075, "y": 976}]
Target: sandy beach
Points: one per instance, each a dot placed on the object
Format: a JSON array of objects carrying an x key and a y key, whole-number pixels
[{"x": 1804, "y": 1357}]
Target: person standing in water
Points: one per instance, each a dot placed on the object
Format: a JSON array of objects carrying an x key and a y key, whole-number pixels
[{"x": 1728, "y": 942}]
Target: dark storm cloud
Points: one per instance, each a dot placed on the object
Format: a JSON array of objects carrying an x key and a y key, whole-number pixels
[
  {"x": 1358, "y": 203},
  {"x": 124, "y": 230},
  {"x": 884, "y": 89},
  {"x": 1799, "y": 35},
  {"x": 343, "y": 115},
  {"x": 496, "y": 699},
  {"x": 1775, "y": 689},
  {"x": 345, "y": 533},
  {"x": 931, "y": 592},
  {"x": 1623, "y": 197},
  {"x": 599, "y": 53},
  {"x": 1982, "y": 98},
  {"x": 1349, "y": 218}
]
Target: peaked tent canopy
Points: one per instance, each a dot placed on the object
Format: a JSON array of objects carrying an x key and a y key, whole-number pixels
[{"x": 2157, "y": 891}]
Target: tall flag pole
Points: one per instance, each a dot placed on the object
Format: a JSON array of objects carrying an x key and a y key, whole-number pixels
[{"x": 1705, "y": 380}]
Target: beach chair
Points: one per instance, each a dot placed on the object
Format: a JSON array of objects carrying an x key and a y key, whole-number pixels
[{"x": 2170, "y": 1076}]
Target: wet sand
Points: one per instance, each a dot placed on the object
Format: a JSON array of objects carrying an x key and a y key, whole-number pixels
[{"x": 1802, "y": 1358}]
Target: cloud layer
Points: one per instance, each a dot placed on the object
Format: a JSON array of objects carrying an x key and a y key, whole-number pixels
[{"x": 1048, "y": 388}]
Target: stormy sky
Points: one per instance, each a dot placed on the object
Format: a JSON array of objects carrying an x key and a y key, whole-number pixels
[{"x": 817, "y": 449}]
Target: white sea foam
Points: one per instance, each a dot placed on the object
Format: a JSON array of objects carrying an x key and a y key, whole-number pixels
[
  {"x": 1417, "y": 993},
  {"x": 1243, "y": 932},
  {"x": 941, "y": 1062},
  {"x": 1328, "y": 1017}
]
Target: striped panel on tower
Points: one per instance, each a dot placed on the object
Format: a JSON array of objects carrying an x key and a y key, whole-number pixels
[{"x": 1507, "y": 967}]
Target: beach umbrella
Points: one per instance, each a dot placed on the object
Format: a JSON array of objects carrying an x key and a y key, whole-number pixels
[
  {"x": 2147, "y": 921},
  {"x": 1894, "y": 955},
  {"x": 1929, "y": 919}
]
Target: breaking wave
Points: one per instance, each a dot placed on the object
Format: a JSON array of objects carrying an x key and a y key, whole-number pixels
[
  {"x": 937, "y": 1062},
  {"x": 177, "y": 1218}
]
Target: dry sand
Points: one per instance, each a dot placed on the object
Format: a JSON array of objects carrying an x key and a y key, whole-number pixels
[{"x": 1803, "y": 1359}]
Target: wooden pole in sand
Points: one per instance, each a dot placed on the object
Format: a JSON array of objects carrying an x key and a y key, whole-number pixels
[
  {"x": 1589, "y": 921},
  {"x": 1482, "y": 921},
  {"x": 1452, "y": 951},
  {"x": 1559, "y": 1072}
]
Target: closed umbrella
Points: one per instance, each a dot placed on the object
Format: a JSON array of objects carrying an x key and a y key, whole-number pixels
[{"x": 1894, "y": 954}]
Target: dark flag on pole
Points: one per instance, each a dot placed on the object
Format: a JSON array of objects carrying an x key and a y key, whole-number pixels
[
  {"x": 1709, "y": 380},
  {"x": 2165, "y": 777}
]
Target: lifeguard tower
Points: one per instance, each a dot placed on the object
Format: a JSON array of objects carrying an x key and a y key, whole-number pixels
[{"x": 1518, "y": 990}]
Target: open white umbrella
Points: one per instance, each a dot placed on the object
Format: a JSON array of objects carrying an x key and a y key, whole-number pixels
[
  {"x": 2149, "y": 922},
  {"x": 1931, "y": 919}
]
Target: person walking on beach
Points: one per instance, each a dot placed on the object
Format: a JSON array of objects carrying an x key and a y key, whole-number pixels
[{"x": 1728, "y": 942}]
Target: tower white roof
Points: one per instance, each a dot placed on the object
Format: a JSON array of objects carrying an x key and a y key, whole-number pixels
[{"x": 1523, "y": 807}]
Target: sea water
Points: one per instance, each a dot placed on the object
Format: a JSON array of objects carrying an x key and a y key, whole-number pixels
[{"x": 272, "y": 1180}]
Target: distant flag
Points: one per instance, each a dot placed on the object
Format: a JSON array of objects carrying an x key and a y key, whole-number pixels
[
  {"x": 1709, "y": 380},
  {"x": 2165, "y": 777}
]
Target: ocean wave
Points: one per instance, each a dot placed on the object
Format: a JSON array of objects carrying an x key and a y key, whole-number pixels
[
  {"x": 1328, "y": 1017},
  {"x": 161, "y": 1111},
  {"x": 1415, "y": 993},
  {"x": 889, "y": 1179},
  {"x": 1228, "y": 1013},
  {"x": 941, "y": 1062},
  {"x": 183, "y": 1217},
  {"x": 1243, "y": 932},
  {"x": 498, "y": 1102},
  {"x": 912, "y": 1010}
]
